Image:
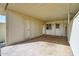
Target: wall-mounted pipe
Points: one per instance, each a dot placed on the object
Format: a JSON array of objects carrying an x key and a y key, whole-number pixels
[{"x": 6, "y": 6}]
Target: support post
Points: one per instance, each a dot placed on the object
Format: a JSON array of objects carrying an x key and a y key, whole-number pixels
[{"x": 68, "y": 13}]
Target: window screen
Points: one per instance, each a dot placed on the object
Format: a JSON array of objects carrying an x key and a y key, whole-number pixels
[
  {"x": 48, "y": 26},
  {"x": 57, "y": 26}
]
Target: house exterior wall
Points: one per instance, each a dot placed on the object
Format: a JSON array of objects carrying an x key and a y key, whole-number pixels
[
  {"x": 69, "y": 28},
  {"x": 57, "y": 32},
  {"x": 33, "y": 27},
  {"x": 21, "y": 27},
  {"x": 15, "y": 28},
  {"x": 74, "y": 36}
]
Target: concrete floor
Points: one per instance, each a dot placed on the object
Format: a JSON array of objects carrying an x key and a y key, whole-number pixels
[
  {"x": 2, "y": 44},
  {"x": 41, "y": 46}
]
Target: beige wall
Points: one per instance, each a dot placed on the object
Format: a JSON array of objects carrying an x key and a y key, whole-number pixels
[
  {"x": 15, "y": 28},
  {"x": 69, "y": 28},
  {"x": 33, "y": 27},
  {"x": 21, "y": 27},
  {"x": 2, "y": 32},
  {"x": 2, "y": 11},
  {"x": 36, "y": 28}
]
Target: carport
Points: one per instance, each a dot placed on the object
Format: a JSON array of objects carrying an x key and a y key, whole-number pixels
[{"x": 39, "y": 29}]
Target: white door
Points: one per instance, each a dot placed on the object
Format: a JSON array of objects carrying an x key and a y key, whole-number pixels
[
  {"x": 44, "y": 29},
  {"x": 53, "y": 29},
  {"x": 49, "y": 29},
  {"x": 58, "y": 29}
]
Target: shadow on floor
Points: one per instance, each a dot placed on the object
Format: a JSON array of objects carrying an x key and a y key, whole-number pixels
[{"x": 48, "y": 38}]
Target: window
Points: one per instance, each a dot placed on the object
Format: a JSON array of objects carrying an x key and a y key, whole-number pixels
[
  {"x": 48, "y": 26},
  {"x": 2, "y": 19},
  {"x": 57, "y": 26},
  {"x": 2, "y": 29}
]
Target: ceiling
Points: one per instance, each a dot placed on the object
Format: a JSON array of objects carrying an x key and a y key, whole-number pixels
[{"x": 45, "y": 11}]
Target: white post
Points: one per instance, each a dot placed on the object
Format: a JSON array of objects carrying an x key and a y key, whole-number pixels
[
  {"x": 68, "y": 13},
  {"x": 68, "y": 21}
]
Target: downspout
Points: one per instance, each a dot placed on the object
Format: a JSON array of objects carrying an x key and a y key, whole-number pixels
[
  {"x": 5, "y": 9},
  {"x": 6, "y": 6}
]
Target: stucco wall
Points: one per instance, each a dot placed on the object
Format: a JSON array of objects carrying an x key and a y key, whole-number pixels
[
  {"x": 15, "y": 28},
  {"x": 2, "y": 32},
  {"x": 21, "y": 27},
  {"x": 69, "y": 28},
  {"x": 74, "y": 37},
  {"x": 33, "y": 27},
  {"x": 2, "y": 11},
  {"x": 73, "y": 34}
]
